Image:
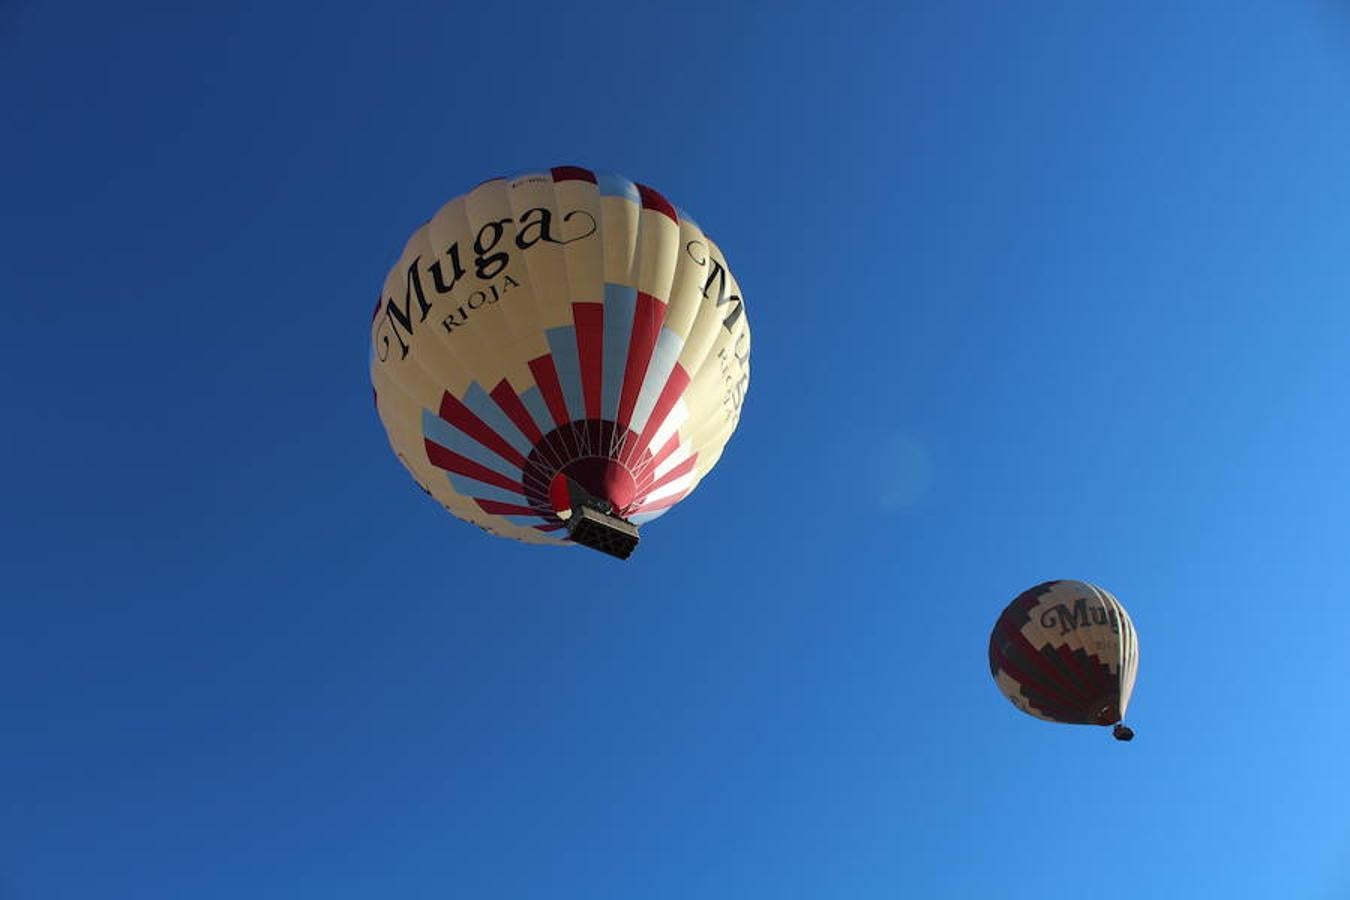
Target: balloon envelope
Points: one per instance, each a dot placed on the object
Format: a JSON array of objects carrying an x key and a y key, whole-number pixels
[
  {"x": 553, "y": 336},
  {"x": 1066, "y": 651}
]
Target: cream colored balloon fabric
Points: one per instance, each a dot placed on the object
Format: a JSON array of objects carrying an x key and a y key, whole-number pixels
[
  {"x": 1066, "y": 651},
  {"x": 559, "y": 325}
]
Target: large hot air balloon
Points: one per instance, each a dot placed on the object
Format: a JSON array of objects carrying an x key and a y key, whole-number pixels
[
  {"x": 560, "y": 356},
  {"x": 1066, "y": 651}
]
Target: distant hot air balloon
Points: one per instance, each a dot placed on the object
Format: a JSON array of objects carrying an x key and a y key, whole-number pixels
[
  {"x": 560, "y": 356},
  {"x": 1066, "y": 651}
]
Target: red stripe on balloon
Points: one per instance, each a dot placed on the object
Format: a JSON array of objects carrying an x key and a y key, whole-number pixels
[
  {"x": 1045, "y": 704},
  {"x": 463, "y": 418},
  {"x": 648, "y": 316},
  {"x": 451, "y": 461},
  {"x": 546, "y": 376},
  {"x": 670, "y": 394},
  {"x": 1046, "y": 697},
  {"x": 652, "y": 199},
  {"x": 590, "y": 328},
  {"x": 663, "y": 503},
  {"x": 676, "y": 472},
  {"x": 573, "y": 173},
  {"x": 506, "y": 398},
  {"x": 1052, "y": 677},
  {"x": 648, "y": 465},
  {"x": 1024, "y": 670},
  {"x": 1090, "y": 671},
  {"x": 1068, "y": 665},
  {"x": 1031, "y": 598}
]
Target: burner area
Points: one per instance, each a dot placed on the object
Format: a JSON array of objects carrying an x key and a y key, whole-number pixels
[{"x": 594, "y": 454}]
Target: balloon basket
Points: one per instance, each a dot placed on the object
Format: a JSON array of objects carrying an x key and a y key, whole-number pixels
[{"x": 592, "y": 528}]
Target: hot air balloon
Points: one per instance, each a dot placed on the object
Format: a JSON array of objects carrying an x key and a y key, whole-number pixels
[
  {"x": 560, "y": 357},
  {"x": 1066, "y": 651}
]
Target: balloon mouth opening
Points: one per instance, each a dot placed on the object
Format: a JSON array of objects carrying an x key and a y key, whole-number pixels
[{"x": 599, "y": 477}]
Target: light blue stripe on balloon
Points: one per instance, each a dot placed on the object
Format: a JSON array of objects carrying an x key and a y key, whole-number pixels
[
  {"x": 685, "y": 217},
  {"x": 472, "y": 487},
  {"x": 445, "y": 434},
  {"x": 538, "y": 410},
  {"x": 664, "y": 357},
  {"x": 562, "y": 343},
  {"x": 620, "y": 307},
  {"x": 618, "y": 186},
  {"x": 485, "y": 408},
  {"x": 644, "y": 518}
]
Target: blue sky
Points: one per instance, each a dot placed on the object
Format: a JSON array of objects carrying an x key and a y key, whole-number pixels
[{"x": 1037, "y": 290}]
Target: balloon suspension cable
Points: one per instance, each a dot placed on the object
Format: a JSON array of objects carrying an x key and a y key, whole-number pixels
[{"x": 1122, "y": 732}]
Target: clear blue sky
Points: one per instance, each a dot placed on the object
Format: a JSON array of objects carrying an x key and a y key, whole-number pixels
[{"x": 1038, "y": 290}]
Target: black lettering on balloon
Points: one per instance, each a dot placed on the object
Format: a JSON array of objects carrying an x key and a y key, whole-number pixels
[
  {"x": 536, "y": 225},
  {"x": 1067, "y": 619},
  {"x": 742, "y": 340},
  {"x": 719, "y": 274},
  {"x": 486, "y": 267},
  {"x": 525, "y": 239},
  {"x": 402, "y": 318},
  {"x": 456, "y": 272},
  {"x": 740, "y": 389},
  {"x": 587, "y": 233},
  {"x": 697, "y": 252},
  {"x": 450, "y": 322}
]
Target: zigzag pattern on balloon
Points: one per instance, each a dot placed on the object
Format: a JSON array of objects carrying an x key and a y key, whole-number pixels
[
  {"x": 604, "y": 411},
  {"x": 1065, "y": 651}
]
